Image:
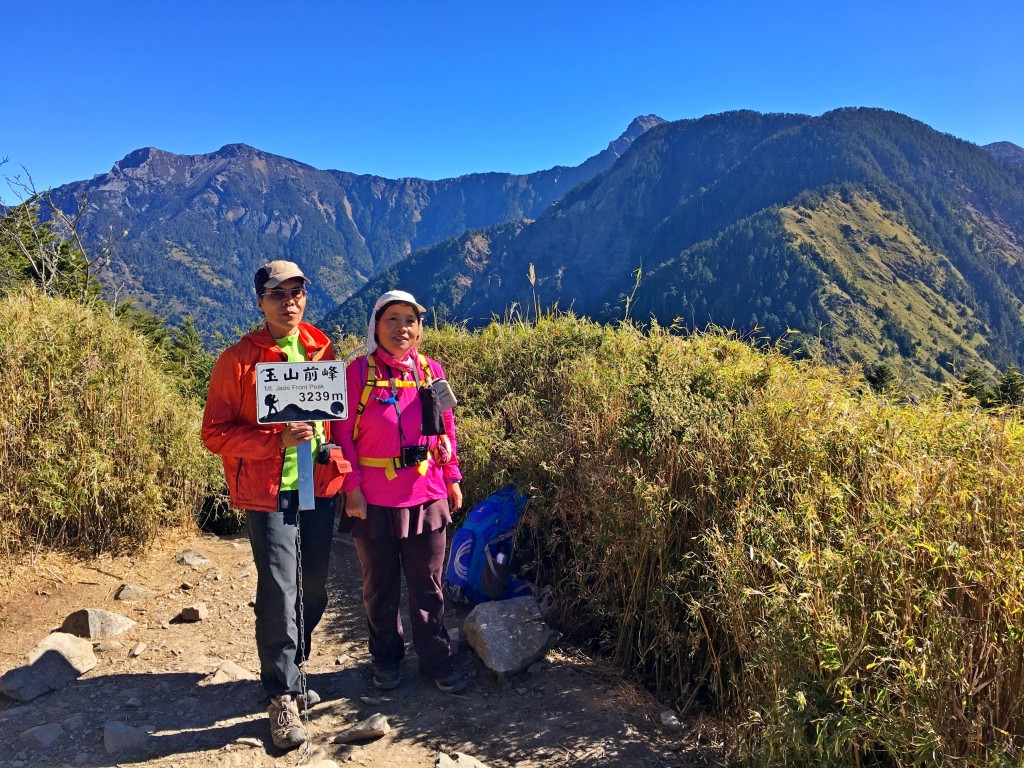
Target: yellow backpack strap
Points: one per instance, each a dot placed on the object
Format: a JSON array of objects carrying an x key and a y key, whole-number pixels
[
  {"x": 371, "y": 380},
  {"x": 425, "y": 366},
  {"x": 388, "y": 465},
  {"x": 391, "y": 466}
]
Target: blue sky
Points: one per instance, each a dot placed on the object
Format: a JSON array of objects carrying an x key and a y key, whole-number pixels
[{"x": 441, "y": 89}]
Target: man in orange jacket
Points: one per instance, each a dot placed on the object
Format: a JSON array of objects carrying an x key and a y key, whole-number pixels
[{"x": 261, "y": 469}]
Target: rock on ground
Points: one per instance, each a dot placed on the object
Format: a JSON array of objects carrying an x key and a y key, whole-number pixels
[
  {"x": 118, "y": 737},
  {"x": 196, "y": 612},
  {"x": 227, "y": 672},
  {"x": 57, "y": 661},
  {"x": 372, "y": 727},
  {"x": 129, "y": 592},
  {"x": 96, "y": 623},
  {"x": 43, "y": 735},
  {"x": 509, "y": 635},
  {"x": 190, "y": 557}
]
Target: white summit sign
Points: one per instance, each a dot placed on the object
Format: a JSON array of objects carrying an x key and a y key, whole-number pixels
[{"x": 303, "y": 391}]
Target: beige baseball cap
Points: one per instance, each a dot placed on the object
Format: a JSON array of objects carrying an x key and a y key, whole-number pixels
[{"x": 274, "y": 273}]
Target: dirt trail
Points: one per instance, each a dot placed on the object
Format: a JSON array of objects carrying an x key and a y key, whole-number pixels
[{"x": 570, "y": 711}]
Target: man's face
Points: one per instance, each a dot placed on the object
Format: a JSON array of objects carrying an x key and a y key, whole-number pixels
[{"x": 283, "y": 310}]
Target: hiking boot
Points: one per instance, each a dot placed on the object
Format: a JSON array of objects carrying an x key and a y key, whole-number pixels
[
  {"x": 452, "y": 682},
  {"x": 387, "y": 676},
  {"x": 310, "y": 699},
  {"x": 285, "y": 726}
]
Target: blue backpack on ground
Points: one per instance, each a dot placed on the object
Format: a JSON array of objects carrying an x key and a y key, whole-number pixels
[{"x": 480, "y": 563}]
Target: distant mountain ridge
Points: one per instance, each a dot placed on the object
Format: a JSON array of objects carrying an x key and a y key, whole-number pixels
[
  {"x": 861, "y": 235},
  {"x": 199, "y": 225}
]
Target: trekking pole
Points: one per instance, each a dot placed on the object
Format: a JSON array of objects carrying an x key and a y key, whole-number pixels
[
  {"x": 307, "y": 501},
  {"x": 304, "y": 712}
]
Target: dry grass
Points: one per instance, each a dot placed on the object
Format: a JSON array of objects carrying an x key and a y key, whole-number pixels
[
  {"x": 97, "y": 446},
  {"x": 839, "y": 573}
]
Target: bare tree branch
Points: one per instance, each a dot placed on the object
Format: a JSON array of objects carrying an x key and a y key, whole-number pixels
[{"x": 51, "y": 241}]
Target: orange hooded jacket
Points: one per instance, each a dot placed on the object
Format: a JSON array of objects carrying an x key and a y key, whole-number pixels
[{"x": 251, "y": 452}]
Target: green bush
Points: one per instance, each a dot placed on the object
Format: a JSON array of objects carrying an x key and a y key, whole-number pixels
[
  {"x": 98, "y": 447},
  {"x": 839, "y": 574}
]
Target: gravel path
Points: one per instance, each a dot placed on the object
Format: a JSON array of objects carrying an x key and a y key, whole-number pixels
[{"x": 570, "y": 710}]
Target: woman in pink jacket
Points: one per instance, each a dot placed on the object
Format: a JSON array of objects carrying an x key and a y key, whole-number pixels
[{"x": 398, "y": 497}]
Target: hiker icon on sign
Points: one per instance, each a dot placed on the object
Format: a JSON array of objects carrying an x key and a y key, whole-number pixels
[{"x": 271, "y": 402}]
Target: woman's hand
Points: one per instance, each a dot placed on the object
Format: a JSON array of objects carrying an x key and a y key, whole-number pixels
[
  {"x": 454, "y": 496},
  {"x": 355, "y": 504}
]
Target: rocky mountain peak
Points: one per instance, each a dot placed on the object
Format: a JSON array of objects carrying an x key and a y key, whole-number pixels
[
  {"x": 237, "y": 150},
  {"x": 637, "y": 128},
  {"x": 134, "y": 159},
  {"x": 1006, "y": 150},
  {"x": 145, "y": 163},
  {"x": 642, "y": 124}
]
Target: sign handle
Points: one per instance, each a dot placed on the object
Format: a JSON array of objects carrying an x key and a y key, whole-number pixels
[{"x": 304, "y": 455}]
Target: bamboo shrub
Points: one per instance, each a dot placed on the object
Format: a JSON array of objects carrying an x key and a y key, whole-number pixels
[
  {"x": 839, "y": 574},
  {"x": 97, "y": 448}
]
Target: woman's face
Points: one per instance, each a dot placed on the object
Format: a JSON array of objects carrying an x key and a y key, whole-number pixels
[{"x": 398, "y": 329}]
